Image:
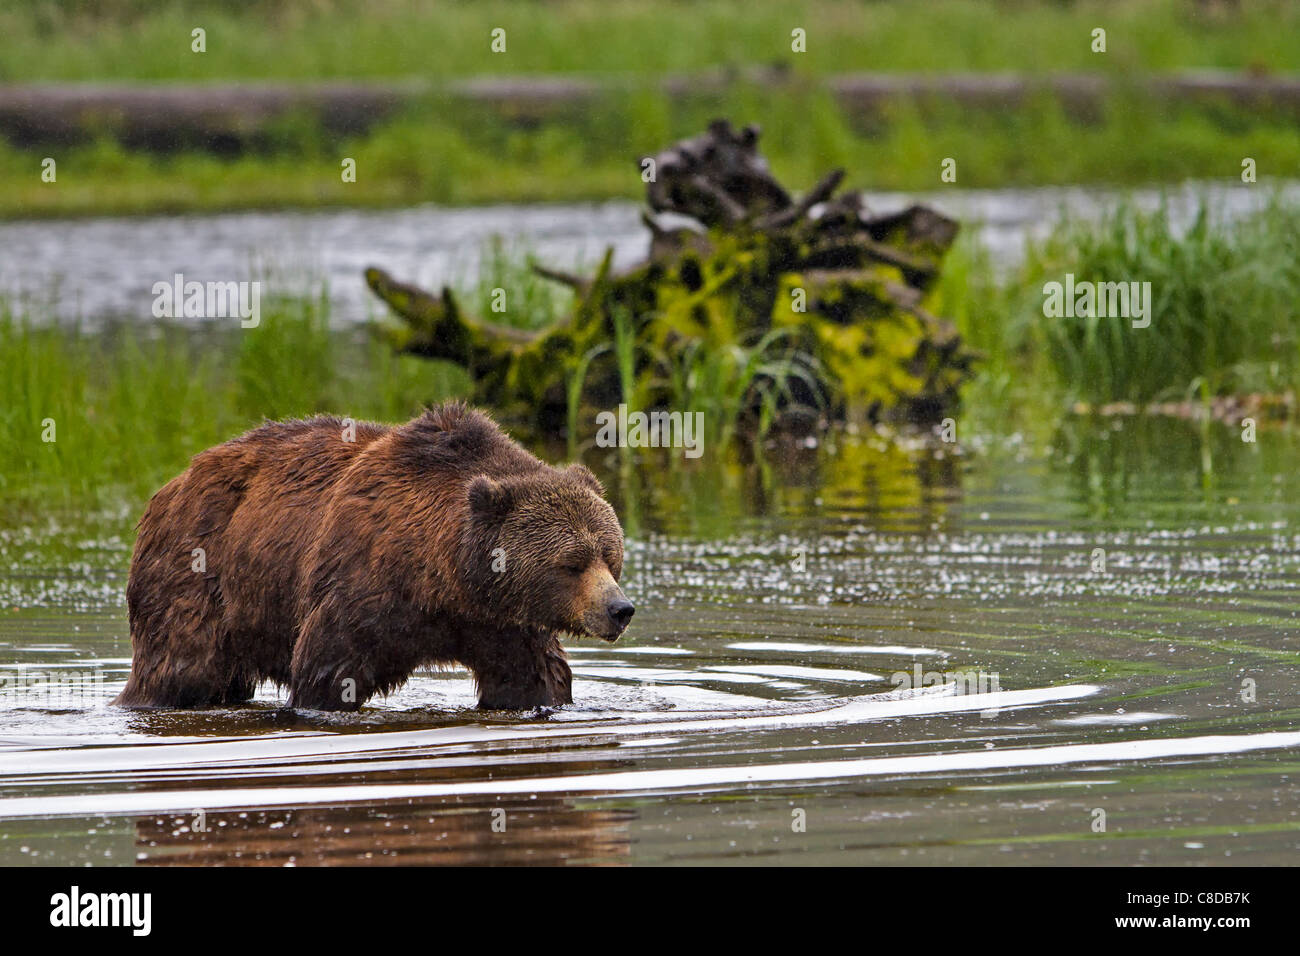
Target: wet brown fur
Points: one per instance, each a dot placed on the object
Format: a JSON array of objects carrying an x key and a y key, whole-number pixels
[{"x": 330, "y": 560}]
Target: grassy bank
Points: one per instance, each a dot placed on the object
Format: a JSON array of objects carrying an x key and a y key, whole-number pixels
[
  {"x": 458, "y": 155},
  {"x": 127, "y": 407},
  {"x": 1225, "y": 312},
  {"x": 1224, "y": 318},
  {"x": 102, "y": 40},
  {"x": 455, "y": 152}
]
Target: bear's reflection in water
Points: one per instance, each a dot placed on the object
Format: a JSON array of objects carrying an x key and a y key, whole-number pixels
[{"x": 453, "y": 831}]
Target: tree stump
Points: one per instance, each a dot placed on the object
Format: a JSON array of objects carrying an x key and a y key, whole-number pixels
[{"x": 751, "y": 303}]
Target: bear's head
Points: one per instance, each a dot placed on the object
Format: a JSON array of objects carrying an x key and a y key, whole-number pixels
[{"x": 548, "y": 551}]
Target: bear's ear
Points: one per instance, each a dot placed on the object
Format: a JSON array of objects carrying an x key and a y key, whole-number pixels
[
  {"x": 489, "y": 497},
  {"x": 583, "y": 476}
]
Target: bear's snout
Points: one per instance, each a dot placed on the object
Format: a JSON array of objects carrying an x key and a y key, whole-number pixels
[
  {"x": 620, "y": 611},
  {"x": 607, "y": 609}
]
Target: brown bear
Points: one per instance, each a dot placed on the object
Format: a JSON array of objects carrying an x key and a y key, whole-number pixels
[{"x": 336, "y": 558}]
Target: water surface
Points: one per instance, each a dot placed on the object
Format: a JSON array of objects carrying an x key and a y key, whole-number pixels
[
  {"x": 1116, "y": 606},
  {"x": 105, "y": 267}
]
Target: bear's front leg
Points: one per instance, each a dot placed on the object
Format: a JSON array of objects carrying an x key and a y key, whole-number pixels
[
  {"x": 330, "y": 669},
  {"x": 341, "y": 687},
  {"x": 343, "y": 683},
  {"x": 519, "y": 669}
]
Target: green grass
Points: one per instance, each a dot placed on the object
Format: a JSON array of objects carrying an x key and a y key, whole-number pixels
[
  {"x": 130, "y": 406},
  {"x": 1225, "y": 317},
  {"x": 508, "y": 291},
  {"x": 969, "y": 294},
  {"x": 1225, "y": 310},
  {"x": 98, "y": 40},
  {"x": 729, "y": 382},
  {"x": 459, "y": 153}
]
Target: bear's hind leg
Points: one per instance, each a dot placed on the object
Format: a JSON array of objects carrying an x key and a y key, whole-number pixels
[
  {"x": 180, "y": 655},
  {"x": 182, "y": 652},
  {"x": 193, "y": 683},
  {"x": 210, "y": 679}
]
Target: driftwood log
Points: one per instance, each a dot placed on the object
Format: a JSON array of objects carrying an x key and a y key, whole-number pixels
[
  {"x": 236, "y": 117},
  {"x": 820, "y": 301}
]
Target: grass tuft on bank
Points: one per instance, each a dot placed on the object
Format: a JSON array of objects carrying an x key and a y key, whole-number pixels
[{"x": 127, "y": 407}]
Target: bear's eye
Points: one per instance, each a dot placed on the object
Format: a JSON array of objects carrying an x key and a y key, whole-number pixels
[{"x": 573, "y": 563}]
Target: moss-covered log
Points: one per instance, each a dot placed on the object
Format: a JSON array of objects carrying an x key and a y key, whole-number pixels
[{"x": 814, "y": 302}]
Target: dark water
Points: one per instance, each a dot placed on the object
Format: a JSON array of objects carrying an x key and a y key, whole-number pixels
[{"x": 1118, "y": 598}]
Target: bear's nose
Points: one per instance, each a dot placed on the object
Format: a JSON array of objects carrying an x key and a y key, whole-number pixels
[{"x": 621, "y": 611}]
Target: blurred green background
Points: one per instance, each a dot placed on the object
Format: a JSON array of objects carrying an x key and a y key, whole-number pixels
[{"x": 657, "y": 71}]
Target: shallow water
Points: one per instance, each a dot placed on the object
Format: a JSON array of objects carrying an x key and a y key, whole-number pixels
[
  {"x": 755, "y": 711},
  {"x": 106, "y": 267}
]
